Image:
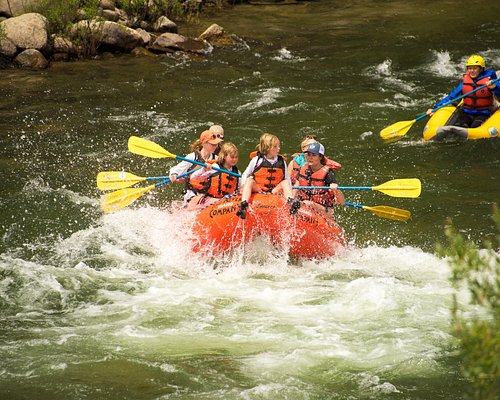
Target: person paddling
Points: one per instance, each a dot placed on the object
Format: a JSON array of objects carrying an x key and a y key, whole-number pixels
[
  {"x": 479, "y": 106},
  {"x": 210, "y": 184},
  {"x": 202, "y": 150},
  {"x": 299, "y": 159},
  {"x": 267, "y": 173},
  {"x": 316, "y": 172}
]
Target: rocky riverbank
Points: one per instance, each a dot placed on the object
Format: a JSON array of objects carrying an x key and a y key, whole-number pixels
[{"x": 27, "y": 42}]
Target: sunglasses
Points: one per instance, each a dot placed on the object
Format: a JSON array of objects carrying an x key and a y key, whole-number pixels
[
  {"x": 217, "y": 136},
  {"x": 314, "y": 137}
]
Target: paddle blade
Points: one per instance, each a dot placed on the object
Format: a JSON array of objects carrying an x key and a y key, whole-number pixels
[
  {"x": 395, "y": 214},
  {"x": 112, "y": 180},
  {"x": 410, "y": 188},
  {"x": 146, "y": 148},
  {"x": 396, "y": 130},
  {"x": 115, "y": 201}
]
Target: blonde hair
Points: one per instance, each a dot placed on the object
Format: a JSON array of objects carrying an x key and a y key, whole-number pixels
[
  {"x": 226, "y": 149},
  {"x": 306, "y": 142},
  {"x": 266, "y": 142},
  {"x": 197, "y": 146}
]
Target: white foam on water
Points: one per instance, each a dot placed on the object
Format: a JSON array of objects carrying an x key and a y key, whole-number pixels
[
  {"x": 443, "y": 66},
  {"x": 131, "y": 282},
  {"x": 286, "y": 55},
  {"x": 263, "y": 98}
]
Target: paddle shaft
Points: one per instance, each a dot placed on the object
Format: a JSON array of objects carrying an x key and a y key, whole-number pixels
[
  {"x": 151, "y": 149},
  {"x": 204, "y": 165},
  {"x": 353, "y": 204},
  {"x": 168, "y": 178},
  {"x": 339, "y": 187}
]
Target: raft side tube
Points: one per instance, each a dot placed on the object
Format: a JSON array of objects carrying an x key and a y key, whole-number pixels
[{"x": 440, "y": 128}]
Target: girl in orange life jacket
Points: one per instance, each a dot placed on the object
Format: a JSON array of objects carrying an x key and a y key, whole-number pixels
[
  {"x": 298, "y": 160},
  {"x": 211, "y": 185},
  {"x": 203, "y": 150},
  {"x": 477, "y": 107},
  {"x": 267, "y": 173},
  {"x": 317, "y": 173}
]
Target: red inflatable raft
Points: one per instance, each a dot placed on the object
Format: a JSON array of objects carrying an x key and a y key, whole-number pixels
[{"x": 306, "y": 234}]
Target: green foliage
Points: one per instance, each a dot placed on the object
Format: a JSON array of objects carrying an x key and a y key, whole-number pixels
[
  {"x": 151, "y": 10},
  {"x": 61, "y": 14},
  {"x": 478, "y": 331}
]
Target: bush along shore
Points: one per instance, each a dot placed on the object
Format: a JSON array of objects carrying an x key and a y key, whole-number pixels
[{"x": 35, "y": 32}]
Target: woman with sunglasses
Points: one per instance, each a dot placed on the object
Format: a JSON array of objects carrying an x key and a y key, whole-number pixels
[{"x": 202, "y": 150}]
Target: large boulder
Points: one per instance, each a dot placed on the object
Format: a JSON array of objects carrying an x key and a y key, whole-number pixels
[
  {"x": 12, "y": 8},
  {"x": 7, "y": 48},
  {"x": 28, "y": 31},
  {"x": 111, "y": 36},
  {"x": 170, "y": 42}
]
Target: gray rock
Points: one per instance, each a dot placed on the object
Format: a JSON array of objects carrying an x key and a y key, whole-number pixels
[
  {"x": 31, "y": 59},
  {"x": 7, "y": 48},
  {"x": 28, "y": 31},
  {"x": 169, "y": 42},
  {"x": 12, "y": 8},
  {"x": 163, "y": 24}
]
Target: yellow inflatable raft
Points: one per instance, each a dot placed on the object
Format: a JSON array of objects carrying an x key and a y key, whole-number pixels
[{"x": 440, "y": 127}]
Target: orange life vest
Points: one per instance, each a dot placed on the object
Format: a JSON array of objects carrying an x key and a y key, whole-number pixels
[
  {"x": 187, "y": 179},
  {"x": 217, "y": 185},
  {"x": 266, "y": 175},
  {"x": 318, "y": 178},
  {"x": 480, "y": 100}
]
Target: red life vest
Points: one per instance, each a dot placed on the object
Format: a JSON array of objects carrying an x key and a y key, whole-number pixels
[
  {"x": 318, "y": 178},
  {"x": 218, "y": 184},
  {"x": 480, "y": 100},
  {"x": 267, "y": 176}
]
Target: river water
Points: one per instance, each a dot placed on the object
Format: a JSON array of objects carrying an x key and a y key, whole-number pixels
[{"x": 115, "y": 306}]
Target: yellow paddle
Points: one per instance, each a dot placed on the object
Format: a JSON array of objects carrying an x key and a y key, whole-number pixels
[
  {"x": 119, "y": 199},
  {"x": 146, "y": 148},
  {"x": 112, "y": 180},
  {"x": 395, "y": 214},
  {"x": 399, "y": 129},
  {"x": 410, "y": 188},
  {"x": 115, "y": 201}
]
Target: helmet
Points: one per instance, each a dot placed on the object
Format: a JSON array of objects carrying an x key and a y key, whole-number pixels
[{"x": 475, "y": 60}]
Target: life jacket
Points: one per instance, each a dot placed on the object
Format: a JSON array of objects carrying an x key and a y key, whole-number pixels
[
  {"x": 480, "y": 100},
  {"x": 318, "y": 178},
  {"x": 266, "y": 175},
  {"x": 187, "y": 179},
  {"x": 255, "y": 153},
  {"x": 218, "y": 184},
  {"x": 298, "y": 161}
]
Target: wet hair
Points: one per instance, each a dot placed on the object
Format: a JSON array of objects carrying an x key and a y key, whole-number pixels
[{"x": 266, "y": 142}]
